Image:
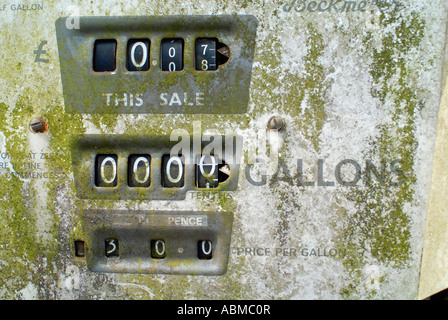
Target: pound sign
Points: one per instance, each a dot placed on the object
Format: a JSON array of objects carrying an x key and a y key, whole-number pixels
[{"x": 39, "y": 51}]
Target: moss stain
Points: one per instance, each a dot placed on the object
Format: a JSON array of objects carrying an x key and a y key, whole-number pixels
[{"x": 380, "y": 227}]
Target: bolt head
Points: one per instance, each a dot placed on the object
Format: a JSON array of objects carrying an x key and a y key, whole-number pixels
[
  {"x": 276, "y": 123},
  {"x": 37, "y": 125}
]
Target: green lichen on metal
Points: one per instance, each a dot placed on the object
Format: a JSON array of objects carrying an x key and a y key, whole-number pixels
[
  {"x": 381, "y": 228},
  {"x": 304, "y": 94},
  {"x": 62, "y": 127},
  {"x": 17, "y": 238},
  {"x": 24, "y": 248},
  {"x": 286, "y": 203},
  {"x": 310, "y": 89},
  {"x": 34, "y": 240},
  {"x": 18, "y": 241},
  {"x": 313, "y": 87}
]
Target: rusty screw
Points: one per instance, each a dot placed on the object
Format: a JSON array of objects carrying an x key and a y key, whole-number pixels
[
  {"x": 37, "y": 125},
  {"x": 276, "y": 123}
]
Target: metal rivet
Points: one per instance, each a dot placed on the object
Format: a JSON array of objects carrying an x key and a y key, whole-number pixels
[
  {"x": 276, "y": 123},
  {"x": 37, "y": 125}
]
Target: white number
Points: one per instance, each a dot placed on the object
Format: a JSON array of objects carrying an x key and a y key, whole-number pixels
[
  {"x": 160, "y": 243},
  {"x": 205, "y": 48},
  {"x": 168, "y": 169},
  {"x": 114, "y": 169},
  {"x": 209, "y": 243},
  {"x": 201, "y": 167},
  {"x": 145, "y": 54},
  {"x": 172, "y": 52},
  {"x": 136, "y": 163},
  {"x": 172, "y": 66},
  {"x": 204, "y": 65},
  {"x": 114, "y": 247}
]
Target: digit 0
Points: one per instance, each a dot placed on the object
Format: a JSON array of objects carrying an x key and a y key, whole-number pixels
[
  {"x": 172, "y": 52},
  {"x": 103, "y": 169},
  {"x": 213, "y": 165},
  {"x": 180, "y": 170},
  {"x": 135, "y": 168},
  {"x": 138, "y": 51},
  {"x": 144, "y": 54},
  {"x": 207, "y": 247},
  {"x": 205, "y": 250},
  {"x": 160, "y": 247},
  {"x": 139, "y": 170}
]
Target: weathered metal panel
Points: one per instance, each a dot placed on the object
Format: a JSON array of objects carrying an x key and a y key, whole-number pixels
[{"x": 331, "y": 206}]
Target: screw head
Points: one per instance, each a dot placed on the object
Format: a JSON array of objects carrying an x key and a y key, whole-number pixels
[
  {"x": 276, "y": 123},
  {"x": 37, "y": 125}
]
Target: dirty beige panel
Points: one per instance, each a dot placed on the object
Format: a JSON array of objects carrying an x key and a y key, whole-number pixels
[
  {"x": 332, "y": 206},
  {"x": 433, "y": 278}
]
